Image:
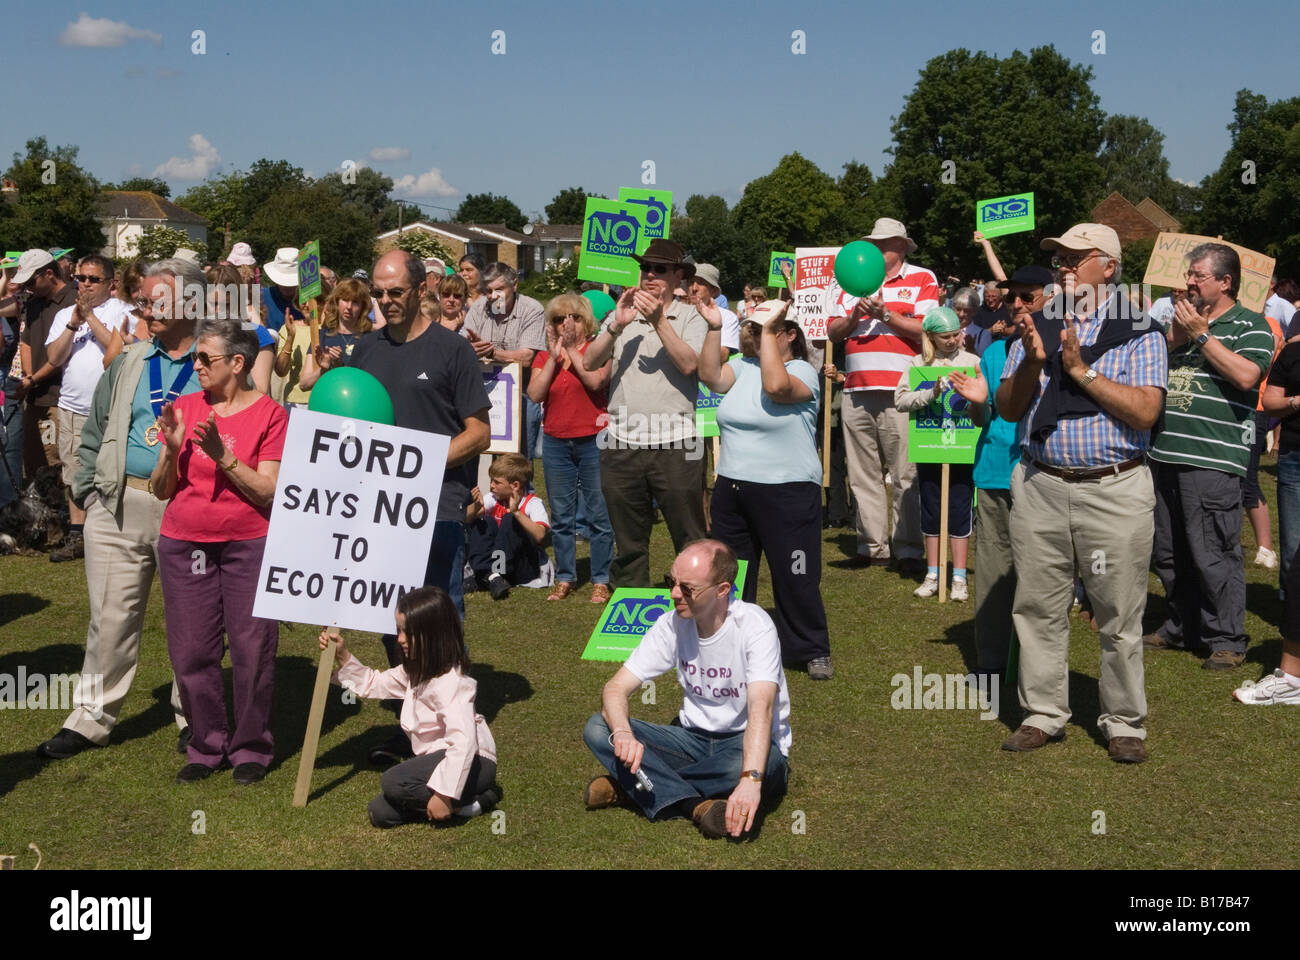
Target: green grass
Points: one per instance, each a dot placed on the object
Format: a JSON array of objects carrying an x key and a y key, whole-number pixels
[{"x": 875, "y": 787}]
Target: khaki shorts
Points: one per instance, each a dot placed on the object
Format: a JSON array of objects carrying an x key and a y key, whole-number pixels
[{"x": 69, "y": 426}]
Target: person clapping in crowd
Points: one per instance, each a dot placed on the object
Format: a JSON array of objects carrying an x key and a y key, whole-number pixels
[
  {"x": 453, "y": 302},
  {"x": 226, "y": 301},
  {"x": 452, "y": 772},
  {"x": 941, "y": 345},
  {"x": 508, "y": 528}
]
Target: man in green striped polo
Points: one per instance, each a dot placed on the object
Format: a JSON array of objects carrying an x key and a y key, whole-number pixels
[{"x": 1218, "y": 351}]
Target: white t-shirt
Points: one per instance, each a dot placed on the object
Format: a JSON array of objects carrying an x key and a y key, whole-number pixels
[
  {"x": 730, "y": 329},
  {"x": 85, "y": 364},
  {"x": 535, "y": 511},
  {"x": 715, "y": 671}
]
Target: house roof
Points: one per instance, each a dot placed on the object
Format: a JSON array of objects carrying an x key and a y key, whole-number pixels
[
  {"x": 466, "y": 232},
  {"x": 1158, "y": 215},
  {"x": 558, "y": 232},
  {"x": 143, "y": 205}
]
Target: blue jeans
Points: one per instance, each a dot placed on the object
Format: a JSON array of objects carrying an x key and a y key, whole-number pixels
[
  {"x": 1288, "y": 512},
  {"x": 572, "y": 469},
  {"x": 532, "y": 428},
  {"x": 683, "y": 764},
  {"x": 445, "y": 568},
  {"x": 11, "y": 444}
]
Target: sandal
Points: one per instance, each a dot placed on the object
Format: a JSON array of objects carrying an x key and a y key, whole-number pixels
[
  {"x": 600, "y": 593},
  {"x": 562, "y": 590}
]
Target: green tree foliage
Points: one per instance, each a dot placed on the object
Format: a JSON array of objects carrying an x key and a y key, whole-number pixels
[
  {"x": 796, "y": 204},
  {"x": 1262, "y": 214},
  {"x": 291, "y": 217},
  {"x": 151, "y": 184},
  {"x": 489, "y": 208},
  {"x": 551, "y": 282},
  {"x": 1133, "y": 161},
  {"x": 220, "y": 201},
  {"x": 1027, "y": 122},
  {"x": 569, "y": 205},
  {"x": 856, "y": 186},
  {"x": 709, "y": 234},
  {"x": 61, "y": 213},
  {"x": 159, "y": 242},
  {"x": 425, "y": 245}
]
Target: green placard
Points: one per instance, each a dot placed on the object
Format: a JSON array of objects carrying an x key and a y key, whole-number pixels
[
  {"x": 942, "y": 432},
  {"x": 309, "y": 272},
  {"x": 1003, "y": 215},
  {"x": 611, "y": 234},
  {"x": 656, "y": 207},
  {"x": 775, "y": 278},
  {"x": 629, "y": 614},
  {"x": 58, "y": 253},
  {"x": 706, "y": 412}
]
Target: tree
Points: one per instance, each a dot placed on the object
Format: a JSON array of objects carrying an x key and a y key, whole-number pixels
[
  {"x": 709, "y": 234},
  {"x": 291, "y": 217},
  {"x": 1133, "y": 161},
  {"x": 266, "y": 179},
  {"x": 425, "y": 245},
  {"x": 794, "y": 205},
  {"x": 976, "y": 126},
  {"x": 856, "y": 186},
  {"x": 150, "y": 184},
  {"x": 159, "y": 242},
  {"x": 368, "y": 190},
  {"x": 551, "y": 282},
  {"x": 488, "y": 208},
  {"x": 569, "y": 205},
  {"x": 56, "y": 205},
  {"x": 219, "y": 200}
]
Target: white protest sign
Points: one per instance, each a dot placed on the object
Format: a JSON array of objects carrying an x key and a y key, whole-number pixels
[
  {"x": 352, "y": 521},
  {"x": 816, "y": 292}
]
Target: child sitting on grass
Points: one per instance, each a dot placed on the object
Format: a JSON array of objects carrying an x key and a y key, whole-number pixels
[
  {"x": 508, "y": 529},
  {"x": 941, "y": 346},
  {"x": 453, "y": 771}
]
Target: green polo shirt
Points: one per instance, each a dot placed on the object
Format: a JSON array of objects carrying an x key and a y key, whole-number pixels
[{"x": 1209, "y": 423}]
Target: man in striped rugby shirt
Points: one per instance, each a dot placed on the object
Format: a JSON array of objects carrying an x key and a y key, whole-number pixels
[{"x": 1218, "y": 351}]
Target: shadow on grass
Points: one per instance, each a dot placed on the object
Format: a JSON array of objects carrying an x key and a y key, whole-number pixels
[{"x": 15, "y": 606}]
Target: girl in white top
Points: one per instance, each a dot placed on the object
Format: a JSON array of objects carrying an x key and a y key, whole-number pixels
[{"x": 453, "y": 772}]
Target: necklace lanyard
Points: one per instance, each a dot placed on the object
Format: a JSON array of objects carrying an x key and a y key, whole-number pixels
[{"x": 157, "y": 399}]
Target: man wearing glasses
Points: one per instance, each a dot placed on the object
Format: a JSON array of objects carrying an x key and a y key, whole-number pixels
[
  {"x": 48, "y": 293},
  {"x": 727, "y": 752},
  {"x": 651, "y": 453},
  {"x": 1218, "y": 351},
  {"x": 120, "y": 442},
  {"x": 76, "y": 343},
  {"x": 1088, "y": 382}
]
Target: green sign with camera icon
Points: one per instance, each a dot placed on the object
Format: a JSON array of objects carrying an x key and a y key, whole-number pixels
[
  {"x": 612, "y": 232},
  {"x": 309, "y": 272},
  {"x": 656, "y": 207}
]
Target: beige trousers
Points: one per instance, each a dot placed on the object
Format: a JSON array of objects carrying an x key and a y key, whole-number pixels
[{"x": 875, "y": 441}]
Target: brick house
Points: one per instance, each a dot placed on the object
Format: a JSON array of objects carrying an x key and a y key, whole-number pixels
[
  {"x": 1141, "y": 222},
  {"x": 124, "y": 215}
]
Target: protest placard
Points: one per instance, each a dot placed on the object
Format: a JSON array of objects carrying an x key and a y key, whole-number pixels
[
  {"x": 352, "y": 521},
  {"x": 816, "y": 292},
  {"x": 505, "y": 392},
  {"x": 706, "y": 412},
  {"x": 611, "y": 234},
  {"x": 657, "y": 211},
  {"x": 309, "y": 271},
  {"x": 1168, "y": 267},
  {"x": 775, "y": 278},
  {"x": 1000, "y": 216},
  {"x": 943, "y": 431}
]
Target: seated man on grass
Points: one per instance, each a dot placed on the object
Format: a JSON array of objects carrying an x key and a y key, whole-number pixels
[
  {"x": 508, "y": 530},
  {"x": 727, "y": 750}
]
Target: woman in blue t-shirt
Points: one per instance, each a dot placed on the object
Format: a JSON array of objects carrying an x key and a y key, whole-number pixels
[{"x": 768, "y": 495}]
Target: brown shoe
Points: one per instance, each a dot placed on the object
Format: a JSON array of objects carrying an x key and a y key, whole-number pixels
[
  {"x": 562, "y": 590},
  {"x": 604, "y": 792},
  {"x": 1029, "y": 738},
  {"x": 1128, "y": 749},
  {"x": 601, "y": 593},
  {"x": 1158, "y": 641},
  {"x": 1223, "y": 660},
  {"x": 711, "y": 819}
]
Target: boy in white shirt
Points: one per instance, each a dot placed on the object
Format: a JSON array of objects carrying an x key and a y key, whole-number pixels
[{"x": 508, "y": 529}]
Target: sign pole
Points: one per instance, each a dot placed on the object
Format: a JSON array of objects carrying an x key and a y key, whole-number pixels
[
  {"x": 311, "y": 741},
  {"x": 943, "y": 535},
  {"x": 826, "y": 430}
]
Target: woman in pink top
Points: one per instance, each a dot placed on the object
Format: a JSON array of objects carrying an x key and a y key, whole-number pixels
[
  {"x": 218, "y": 464},
  {"x": 453, "y": 772}
]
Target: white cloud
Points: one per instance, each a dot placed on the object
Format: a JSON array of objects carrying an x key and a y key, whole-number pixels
[
  {"x": 88, "y": 31},
  {"x": 203, "y": 159},
  {"x": 429, "y": 184},
  {"x": 389, "y": 154}
]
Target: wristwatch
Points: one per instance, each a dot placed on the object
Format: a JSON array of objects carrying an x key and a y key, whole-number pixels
[
  {"x": 1089, "y": 375},
  {"x": 1202, "y": 339},
  {"x": 755, "y": 775}
]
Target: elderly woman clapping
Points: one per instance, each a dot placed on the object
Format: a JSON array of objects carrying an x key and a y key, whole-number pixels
[{"x": 218, "y": 468}]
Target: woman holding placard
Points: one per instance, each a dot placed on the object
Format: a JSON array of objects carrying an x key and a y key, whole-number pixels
[
  {"x": 765, "y": 504},
  {"x": 218, "y": 466}
]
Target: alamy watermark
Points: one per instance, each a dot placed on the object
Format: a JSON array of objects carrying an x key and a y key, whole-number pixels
[
  {"x": 951, "y": 691},
  {"x": 56, "y": 691},
  {"x": 663, "y": 431}
]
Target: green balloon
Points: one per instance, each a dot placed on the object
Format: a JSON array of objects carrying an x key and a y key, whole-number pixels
[
  {"x": 349, "y": 392},
  {"x": 859, "y": 268},
  {"x": 450, "y": 271},
  {"x": 601, "y": 303}
]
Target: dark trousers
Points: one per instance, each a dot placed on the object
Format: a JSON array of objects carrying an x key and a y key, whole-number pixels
[
  {"x": 406, "y": 793},
  {"x": 502, "y": 549},
  {"x": 11, "y": 444},
  {"x": 782, "y": 521},
  {"x": 1197, "y": 556},
  {"x": 633, "y": 480},
  {"x": 929, "y": 477}
]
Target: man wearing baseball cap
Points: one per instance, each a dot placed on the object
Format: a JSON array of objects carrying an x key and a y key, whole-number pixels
[
  {"x": 1088, "y": 381},
  {"x": 707, "y": 285},
  {"x": 39, "y": 387}
]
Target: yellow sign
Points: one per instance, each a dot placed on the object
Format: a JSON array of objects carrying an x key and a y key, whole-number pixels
[{"x": 1168, "y": 267}]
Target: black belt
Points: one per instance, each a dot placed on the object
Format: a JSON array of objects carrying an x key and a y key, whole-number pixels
[{"x": 1077, "y": 475}]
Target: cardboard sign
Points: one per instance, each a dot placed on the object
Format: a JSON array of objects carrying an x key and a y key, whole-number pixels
[
  {"x": 942, "y": 432},
  {"x": 775, "y": 278},
  {"x": 657, "y": 210},
  {"x": 706, "y": 412},
  {"x": 630, "y": 612},
  {"x": 309, "y": 272},
  {"x": 505, "y": 392},
  {"x": 352, "y": 521},
  {"x": 816, "y": 292},
  {"x": 1168, "y": 267},
  {"x": 611, "y": 233},
  {"x": 1003, "y": 215}
]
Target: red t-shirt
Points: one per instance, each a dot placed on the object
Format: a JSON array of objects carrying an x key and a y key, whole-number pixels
[
  {"x": 207, "y": 506},
  {"x": 571, "y": 409}
]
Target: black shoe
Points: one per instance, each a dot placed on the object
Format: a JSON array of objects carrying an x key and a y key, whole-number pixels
[
  {"x": 74, "y": 548},
  {"x": 468, "y": 585},
  {"x": 498, "y": 587},
  {"x": 393, "y": 750},
  {"x": 183, "y": 740},
  {"x": 911, "y": 566},
  {"x": 246, "y": 773},
  {"x": 66, "y": 743},
  {"x": 194, "y": 772}
]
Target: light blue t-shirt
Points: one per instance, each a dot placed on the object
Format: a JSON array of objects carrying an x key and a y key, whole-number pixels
[
  {"x": 998, "y": 450},
  {"x": 140, "y": 457},
  {"x": 764, "y": 441}
]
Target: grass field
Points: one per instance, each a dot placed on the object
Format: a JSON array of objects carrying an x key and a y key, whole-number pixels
[{"x": 871, "y": 786}]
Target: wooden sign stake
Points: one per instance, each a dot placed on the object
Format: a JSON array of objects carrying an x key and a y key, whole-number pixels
[{"x": 315, "y": 716}]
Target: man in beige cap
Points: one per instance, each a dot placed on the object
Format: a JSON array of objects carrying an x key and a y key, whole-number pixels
[
  {"x": 1088, "y": 380},
  {"x": 705, "y": 287},
  {"x": 39, "y": 387},
  {"x": 882, "y": 334}
]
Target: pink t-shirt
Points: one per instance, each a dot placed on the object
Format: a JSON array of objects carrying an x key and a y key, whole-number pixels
[{"x": 207, "y": 506}]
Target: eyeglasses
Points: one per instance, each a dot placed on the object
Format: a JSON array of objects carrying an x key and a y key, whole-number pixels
[
  {"x": 144, "y": 303},
  {"x": 393, "y": 293},
  {"x": 86, "y": 278},
  {"x": 687, "y": 590},
  {"x": 206, "y": 358},
  {"x": 656, "y": 268},
  {"x": 1200, "y": 278},
  {"x": 566, "y": 316},
  {"x": 1013, "y": 295},
  {"x": 1071, "y": 262}
]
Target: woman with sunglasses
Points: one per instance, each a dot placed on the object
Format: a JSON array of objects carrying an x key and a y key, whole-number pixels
[
  {"x": 574, "y": 400},
  {"x": 218, "y": 467},
  {"x": 453, "y": 302}
]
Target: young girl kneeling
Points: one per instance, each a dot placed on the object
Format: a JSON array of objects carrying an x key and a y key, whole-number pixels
[
  {"x": 941, "y": 346},
  {"x": 453, "y": 772}
]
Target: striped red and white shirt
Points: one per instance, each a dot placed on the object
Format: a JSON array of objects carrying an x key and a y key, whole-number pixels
[{"x": 874, "y": 355}]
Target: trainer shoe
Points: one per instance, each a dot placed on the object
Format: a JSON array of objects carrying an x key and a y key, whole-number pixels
[
  {"x": 928, "y": 588},
  {"x": 604, "y": 792},
  {"x": 710, "y": 817},
  {"x": 958, "y": 591},
  {"x": 1223, "y": 660},
  {"x": 499, "y": 587},
  {"x": 1158, "y": 641},
  {"x": 1264, "y": 557},
  {"x": 819, "y": 668},
  {"x": 1273, "y": 689},
  {"x": 66, "y": 743},
  {"x": 74, "y": 548}
]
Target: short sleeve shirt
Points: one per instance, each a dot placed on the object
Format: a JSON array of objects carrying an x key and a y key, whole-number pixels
[
  {"x": 85, "y": 364},
  {"x": 572, "y": 411},
  {"x": 141, "y": 458},
  {"x": 1286, "y": 374},
  {"x": 523, "y": 329},
  {"x": 753, "y": 425},
  {"x": 651, "y": 402}
]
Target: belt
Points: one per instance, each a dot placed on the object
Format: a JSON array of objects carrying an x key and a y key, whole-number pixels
[
  {"x": 1077, "y": 475},
  {"x": 139, "y": 483}
]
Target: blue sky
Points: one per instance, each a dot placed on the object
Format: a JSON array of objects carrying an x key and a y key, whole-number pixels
[{"x": 585, "y": 92}]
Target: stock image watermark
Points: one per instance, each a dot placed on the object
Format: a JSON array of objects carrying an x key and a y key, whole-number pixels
[
  {"x": 52, "y": 691},
  {"x": 946, "y": 691},
  {"x": 660, "y": 431}
]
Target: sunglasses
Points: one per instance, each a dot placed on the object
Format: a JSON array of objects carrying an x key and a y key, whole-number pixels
[
  {"x": 688, "y": 591},
  {"x": 1012, "y": 296},
  {"x": 1069, "y": 262},
  {"x": 656, "y": 268},
  {"x": 207, "y": 358},
  {"x": 393, "y": 293},
  {"x": 566, "y": 316},
  {"x": 86, "y": 278}
]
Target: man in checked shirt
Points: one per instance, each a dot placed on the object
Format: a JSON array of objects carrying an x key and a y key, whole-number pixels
[{"x": 1088, "y": 378}]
